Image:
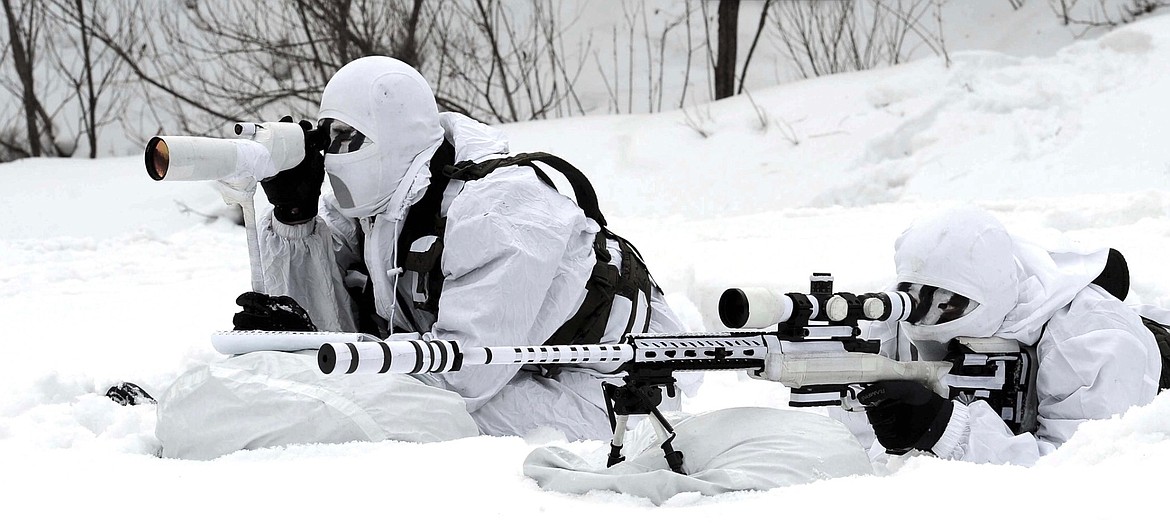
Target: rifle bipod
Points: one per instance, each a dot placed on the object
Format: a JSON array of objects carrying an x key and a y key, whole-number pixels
[{"x": 634, "y": 398}]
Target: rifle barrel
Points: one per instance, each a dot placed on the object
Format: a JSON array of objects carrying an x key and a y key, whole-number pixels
[{"x": 436, "y": 356}]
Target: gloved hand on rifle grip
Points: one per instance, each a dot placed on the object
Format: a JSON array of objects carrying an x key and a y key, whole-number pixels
[
  {"x": 294, "y": 192},
  {"x": 271, "y": 313},
  {"x": 905, "y": 415}
]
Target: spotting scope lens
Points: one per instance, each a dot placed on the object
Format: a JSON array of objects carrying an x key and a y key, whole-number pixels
[{"x": 158, "y": 158}]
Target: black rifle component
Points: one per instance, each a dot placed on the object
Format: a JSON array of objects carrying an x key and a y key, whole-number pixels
[{"x": 999, "y": 372}]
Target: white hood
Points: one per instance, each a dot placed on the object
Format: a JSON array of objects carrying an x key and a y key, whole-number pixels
[
  {"x": 1018, "y": 285},
  {"x": 390, "y": 103}
]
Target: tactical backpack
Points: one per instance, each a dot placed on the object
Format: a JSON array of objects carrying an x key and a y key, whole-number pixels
[{"x": 420, "y": 246}]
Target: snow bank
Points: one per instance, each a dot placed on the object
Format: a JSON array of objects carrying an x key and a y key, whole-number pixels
[{"x": 103, "y": 278}]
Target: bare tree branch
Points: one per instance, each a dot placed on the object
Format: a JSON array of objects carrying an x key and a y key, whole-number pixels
[{"x": 755, "y": 40}]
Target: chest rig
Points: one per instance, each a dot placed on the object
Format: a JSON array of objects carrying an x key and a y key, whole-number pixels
[{"x": 420, "y": 246}]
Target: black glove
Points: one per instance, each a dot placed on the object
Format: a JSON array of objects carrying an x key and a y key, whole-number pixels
[
  {"x": 293, "y": 193},
  {"x": 129, "y": 394},
  {"x": 905, "y": 415},
  {"x": 271, "y": 313}
]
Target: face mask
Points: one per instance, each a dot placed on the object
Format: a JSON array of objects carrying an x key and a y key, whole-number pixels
[{"x": 357, "y": 181}]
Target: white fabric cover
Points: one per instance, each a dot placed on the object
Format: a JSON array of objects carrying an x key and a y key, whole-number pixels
[
  {"x": 1096, "y": 358},
  {"x": 269, "y": 399},
  {"x": 299, "y": 261},
  {"x": 725, "y": 450}
]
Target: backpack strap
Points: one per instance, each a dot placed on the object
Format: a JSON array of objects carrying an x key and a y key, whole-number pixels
[
  {"x": 582, "y": 188},
  {"x": 587, "y": 325},
  {"x": 636, "y": 281},
  {"x": 632, "y": 279},
  {"x": 420, "y": 245}
]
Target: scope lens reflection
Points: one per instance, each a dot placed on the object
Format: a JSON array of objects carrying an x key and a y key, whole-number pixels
[{"x": 158, "y": 158}]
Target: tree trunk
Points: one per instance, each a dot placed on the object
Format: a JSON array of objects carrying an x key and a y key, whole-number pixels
[
  {"x": 24, "y": 71},
  {"x": 89, "y": 107},
  {"x": 752, "y": 49},
  {"x": 725, "y": 48}
]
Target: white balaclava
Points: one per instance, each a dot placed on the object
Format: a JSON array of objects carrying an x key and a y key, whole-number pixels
[
  {"x": 967, "y": 252},
  {"x": 392, "y": 105}
]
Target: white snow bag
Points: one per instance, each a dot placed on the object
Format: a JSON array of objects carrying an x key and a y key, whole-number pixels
[
  {"x": 725, "y": 450},
  {"x": 268, "y": 399}
]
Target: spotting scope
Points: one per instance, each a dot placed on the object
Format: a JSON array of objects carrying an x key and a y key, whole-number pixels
[{"x": 259, "y": 151}]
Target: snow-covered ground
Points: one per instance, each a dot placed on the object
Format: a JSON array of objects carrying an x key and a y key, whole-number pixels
[{"x": 104, "y": 277}]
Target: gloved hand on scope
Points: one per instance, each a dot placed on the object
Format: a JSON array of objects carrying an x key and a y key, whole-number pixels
[
  {"x": 271, "y": 313},
  {"x": 294, "y": 192},
  {"x": 905, "y": 415}
]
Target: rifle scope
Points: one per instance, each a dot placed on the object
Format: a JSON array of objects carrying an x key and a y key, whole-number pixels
[{"x": 757, "y": 308}]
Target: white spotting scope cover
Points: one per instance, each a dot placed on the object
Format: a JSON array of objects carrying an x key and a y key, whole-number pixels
[{"x": 261, "y": 151}]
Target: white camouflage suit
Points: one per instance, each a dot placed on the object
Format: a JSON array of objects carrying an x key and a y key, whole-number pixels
[
  {"x": 1095, "y": 357},
  {"x": 515, "y": 262},
  {"x": 516, "y": 259}
]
